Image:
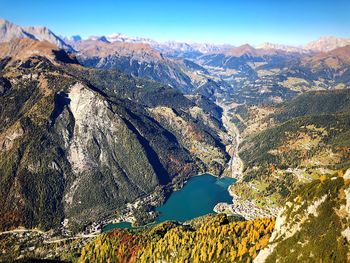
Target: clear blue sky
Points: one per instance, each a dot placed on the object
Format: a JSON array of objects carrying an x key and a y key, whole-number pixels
[{"x": 236, "y": 22}]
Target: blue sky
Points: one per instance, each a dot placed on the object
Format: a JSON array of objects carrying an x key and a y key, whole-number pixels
[{"x": 236, "y": 22}]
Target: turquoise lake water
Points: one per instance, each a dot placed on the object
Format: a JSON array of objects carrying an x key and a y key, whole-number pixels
[{"x": 197, "y": 198}]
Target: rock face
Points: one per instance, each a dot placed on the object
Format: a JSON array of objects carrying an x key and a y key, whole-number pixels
[
  {"x": 324, "y": 44},
  {"x": 287, "y": 48},
  {"x": 96, "y": 149},
  {"x": 10, "y": 31},
  {"x": 75, "y": 146},
  {"x": 112, "y": 150}
]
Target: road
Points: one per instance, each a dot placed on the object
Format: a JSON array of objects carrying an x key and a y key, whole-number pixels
[
  {"x": 234, "y": 138},
  {"x": 20, "y": 230},
  {"x": 50, "y": 240}
]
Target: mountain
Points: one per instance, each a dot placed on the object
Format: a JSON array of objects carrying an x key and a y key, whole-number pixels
[
  {"x": 118, "y": 37},
  {"x": 10, "y": 31},
  {"x": 323, "y": 204},
  {"x": 141, "y": 60},
  {"x": 98, "y": 47},
  {"x": 286, "y": 145},
  {"x": 137, "y": 59},
  {"x": 188, "y": 50},
  {"x": 173, "y": 48},
  {"x": 327, "y": 44},
  {"x": 326, "y": 69},
  {"x": 243, "y": 50},
  {"x": 323, "y": 44},
  {"x": 77, "y": 144},
  {"x": 251, "y": 74},
  {"x": 169, "y": 48},
  {"x": 98, "y": 38},
  {"x": 272, "y": 75},
  {"x": 248, "y": 50},
  {"x": 268, "y": 45},
  {"x": 332, "y": 58},
  {"x": 240, "y": 57},
  {"x": 72, "y": 39},
  {"x": 24, "y": 48},
  {"x": 210, "y": 48},
  {"x": 76, "y": 38}
]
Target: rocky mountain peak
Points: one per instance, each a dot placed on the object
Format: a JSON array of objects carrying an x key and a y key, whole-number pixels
[
  {"x": 245, "y": 49},
  {"x": 287, "y": 48},
  {"x": 10, "y": 31},
  {"x": 327, "y": 43}
]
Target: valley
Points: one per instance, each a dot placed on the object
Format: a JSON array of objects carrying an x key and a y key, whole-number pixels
[
  {"x": 235, "y": 165},
  {"x": 127, "y": 149}
]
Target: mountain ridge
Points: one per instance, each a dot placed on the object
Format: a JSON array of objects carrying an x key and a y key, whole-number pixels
[{"x": 10, "y": 31}]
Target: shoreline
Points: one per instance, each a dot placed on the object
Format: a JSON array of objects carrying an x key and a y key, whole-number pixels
[
  {"x": 248, "y": 209},
  {"x": 127, "y": 213},
  {"x": 155, "y": 220},
  {"x": 128, "y": 217}
]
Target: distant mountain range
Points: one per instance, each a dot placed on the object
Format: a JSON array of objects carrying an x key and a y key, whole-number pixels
[
  {"x": 136, "y": 59},
  {"x": 10, "y": 31},
  {"x": 287, "y": 48},
  {"x": 327, "y": 44},
  {"x": 206, "y": 68},
  {"x": 322, "y": 44}
]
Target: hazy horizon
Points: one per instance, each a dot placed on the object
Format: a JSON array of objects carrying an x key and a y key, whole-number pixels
[{"x": 219, "y": 22}]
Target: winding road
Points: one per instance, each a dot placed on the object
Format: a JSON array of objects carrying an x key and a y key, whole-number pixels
[{"x": 234, "y": 139}]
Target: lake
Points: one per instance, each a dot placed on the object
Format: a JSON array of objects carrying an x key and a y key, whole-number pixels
[{"x": 197, "y": 198}]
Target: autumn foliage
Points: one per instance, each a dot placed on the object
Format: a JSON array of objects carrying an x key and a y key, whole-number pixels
[{"x": 215, "y": 240}]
